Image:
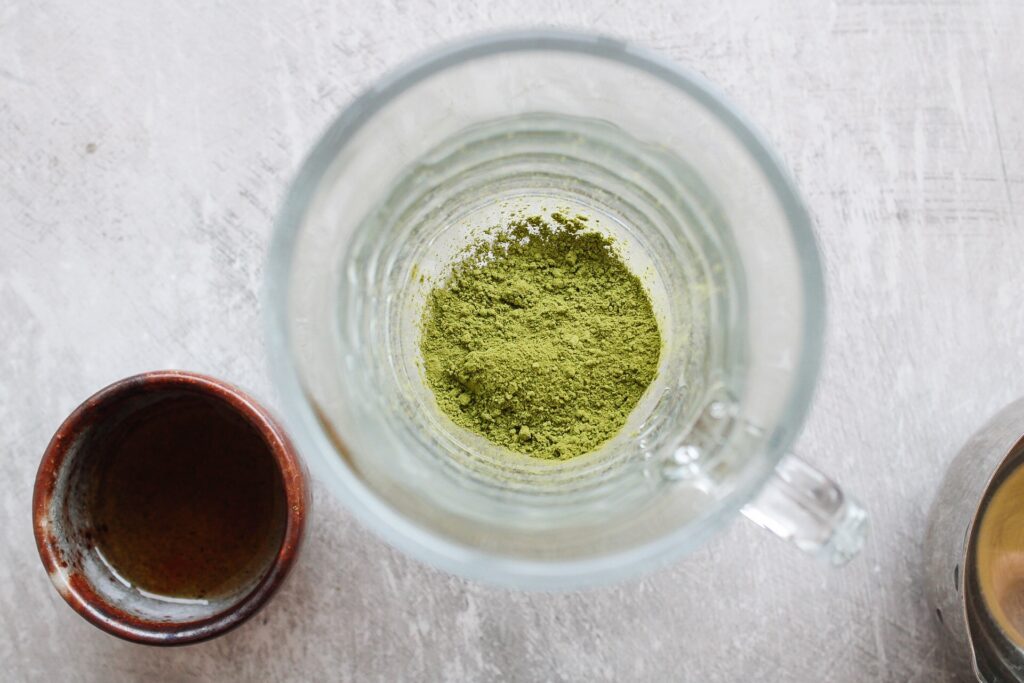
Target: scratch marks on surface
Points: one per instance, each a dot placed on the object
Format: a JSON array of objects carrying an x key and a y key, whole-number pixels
[{"x": 1002, "y": 155}]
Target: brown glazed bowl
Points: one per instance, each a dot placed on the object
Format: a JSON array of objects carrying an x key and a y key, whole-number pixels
[{"x": 66, "y": 543}]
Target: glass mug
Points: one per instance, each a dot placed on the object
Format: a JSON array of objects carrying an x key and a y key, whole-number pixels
[{"x": 696, "y": 204}]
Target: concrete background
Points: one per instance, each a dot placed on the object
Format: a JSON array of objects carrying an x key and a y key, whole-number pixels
[{"x": 144, "y": 148}]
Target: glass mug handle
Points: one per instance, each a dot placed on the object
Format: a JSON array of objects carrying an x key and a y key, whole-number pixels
[{"x": 801, "y": 505}]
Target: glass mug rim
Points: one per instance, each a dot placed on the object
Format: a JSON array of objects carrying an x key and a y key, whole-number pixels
[{"x": 321, "y": 449}]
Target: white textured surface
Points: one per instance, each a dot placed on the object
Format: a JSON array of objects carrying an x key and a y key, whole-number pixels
[{"x": 144, "y": 148}]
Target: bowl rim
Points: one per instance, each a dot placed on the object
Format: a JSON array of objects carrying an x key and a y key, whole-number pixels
[
  {"x": 78, "y": 592},
  {"x": 405, "y": 534}
]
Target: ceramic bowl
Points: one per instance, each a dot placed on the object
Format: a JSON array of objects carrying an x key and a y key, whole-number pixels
[{"x": 67, "y": 544}]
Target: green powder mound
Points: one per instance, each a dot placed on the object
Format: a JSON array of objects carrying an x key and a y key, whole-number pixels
[{"x": 541, "y": 340}]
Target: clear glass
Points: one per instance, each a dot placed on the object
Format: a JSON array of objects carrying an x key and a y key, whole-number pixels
[{"x": 700, "y": 209}]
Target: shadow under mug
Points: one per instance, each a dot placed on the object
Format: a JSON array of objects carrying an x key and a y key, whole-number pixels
[{"x": 696, "y": 204}]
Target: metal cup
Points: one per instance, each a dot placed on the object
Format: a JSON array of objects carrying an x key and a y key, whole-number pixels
[{"x": 954, "y": 591}]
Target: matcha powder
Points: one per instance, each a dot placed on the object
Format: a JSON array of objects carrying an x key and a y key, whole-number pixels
[{"x": 540, "y": 339}]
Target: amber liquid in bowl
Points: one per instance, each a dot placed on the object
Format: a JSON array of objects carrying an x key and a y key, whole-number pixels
[
  {"x": 1000, "y": 556},
  {"x": 188, "y": 503}
]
